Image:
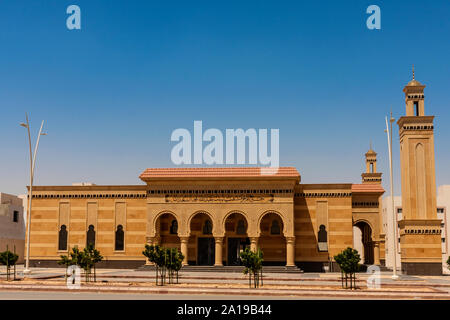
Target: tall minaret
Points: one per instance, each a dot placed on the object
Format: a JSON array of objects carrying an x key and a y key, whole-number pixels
[
  {"x": 420, "y": 238},
  {"x": 371, "y": 175}
]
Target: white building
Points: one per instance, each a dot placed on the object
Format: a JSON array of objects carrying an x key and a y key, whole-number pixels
[
  {"x": 12, "y": 224},
  {"x": 443, "y": 212},
  {"x": 24, "y": 198}
]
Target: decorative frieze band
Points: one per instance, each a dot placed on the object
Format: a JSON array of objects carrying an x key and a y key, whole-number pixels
[
  {"x": 220, "y": 198},
  {"x": 421, "y": 231},
  {"x": 416, "y": 96},
  {"x": 323, "y": 194},
  {"x": 374, "y": 204},
  {"x": 377, "y": 179},
  {"x": 217, "y": 192},
  {"x": 90, "y": 196},
  {"x": 245, "y": 195},
  {"x": 417, "y": 127}
]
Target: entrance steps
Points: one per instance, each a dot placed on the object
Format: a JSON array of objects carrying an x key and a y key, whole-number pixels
[
  {"x": 237, "y": 269},
  {"x": 365, "y": 266},
  {"x": 384, "y": 268}
]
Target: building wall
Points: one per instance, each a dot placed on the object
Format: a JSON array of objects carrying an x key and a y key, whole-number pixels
[
  {"x": 77, "y": 208},
  {"x": 192, "y": 202},
  {"x": 12, "y": 234},
  {"x": 388, "y": 226},
  {"x": 357, "y": 242},
  {"x": 336, "y": 201},
  {"x": 443, "y": 204},
  {"x": 24, "y": 199},
  {"x": 147, "y": 213}
]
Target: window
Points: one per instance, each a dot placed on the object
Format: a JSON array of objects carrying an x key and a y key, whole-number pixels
[
  {"x": 322, "y": 235},
  {"x": 275, "y": 228},
  {"x": 440, "y": 210},
  {"x": 416, "y": 107},
  {"x": 174, "y": 227},
  {"x": 207, "y": 227},
  {"x": 90, "y": 236},
  {"x": 399, "y": 210},
  {"x": 240, "y": 227},
  {"x": 62, "y": 238},
  {"x": 16, "y": 216},
  {"x": 322, "y": 238},
  {"x": 443, "y": 240},
  {"x": 120, "y": 235}
]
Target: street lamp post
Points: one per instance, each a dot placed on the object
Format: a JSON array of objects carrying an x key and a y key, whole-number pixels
[
  {"x": 30, "y": 195},
  {"x": 394, "y": 217}
]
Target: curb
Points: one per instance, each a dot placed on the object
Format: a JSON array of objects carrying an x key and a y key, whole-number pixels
[{"x": 231, "y": 291}]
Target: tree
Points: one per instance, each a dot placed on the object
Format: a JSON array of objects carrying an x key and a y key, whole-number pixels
[
  {"x": 9, "y": 259},
  {"x": 94, "y": 258},
  {"x": 166, "y": 260},
  {"x": 82, "y": 260},
  {"x": 348, "y": 260},
  {"x": 156, "y": 255},
  {"x": 252, "y": 262},
  {"x": 86, "y": 263},
  {"x": 175, "y": 262},
  {"x": 65, "y": 261},
  {"x": 85, "y": 259},
  {"x": 89, "y": 257},
  {"x": 76, "y": 256}
]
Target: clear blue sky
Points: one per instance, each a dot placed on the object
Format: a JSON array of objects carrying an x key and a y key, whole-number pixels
[{"x": 112, "y": 92}]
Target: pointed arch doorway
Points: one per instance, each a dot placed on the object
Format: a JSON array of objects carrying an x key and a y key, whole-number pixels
[
  {"x": 202, "y": 238},
  {"x": 236, "y": 237},
  {"x": 364, "y": 242}
]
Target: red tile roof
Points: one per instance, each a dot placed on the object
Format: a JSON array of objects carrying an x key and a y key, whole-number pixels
[
  {"x": 230, "y": 172},
  {"x": 367, "y": 187}
]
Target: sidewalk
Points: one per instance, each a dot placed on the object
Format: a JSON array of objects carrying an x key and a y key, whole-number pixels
[
  {"x": 323, "y": 292},
  {"x": 134, "y": 275},
  {"x": 320, "y": 285}
]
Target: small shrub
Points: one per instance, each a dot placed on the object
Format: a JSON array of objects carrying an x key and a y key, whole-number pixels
[
  {"x": 348, "y": 260},
  {"x": 8, "y": 259},
  {"x": 252, "y": 262}
]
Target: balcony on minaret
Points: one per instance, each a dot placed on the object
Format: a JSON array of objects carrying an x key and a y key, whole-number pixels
[
  {"x": 371, "y": 175},
  {"x": 414, "y": 98},
  {"x": 415, "y": 122}
]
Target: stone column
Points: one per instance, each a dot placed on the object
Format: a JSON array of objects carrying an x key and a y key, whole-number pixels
[
  {"x": 290, "y": 251},
  {"x": 184, "y": 249},
  {"x": 218, "y": 251},
  {"x": 149, "y": 242},
  {"x": 376, "y": 252},
  {"x": 254, "y": 244}
]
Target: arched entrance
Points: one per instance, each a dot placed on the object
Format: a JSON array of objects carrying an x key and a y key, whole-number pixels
[
  {"x": 167, "y": 231},
  {"x": 236, "y": 237},
  {"x": 364, "y": 243},
  {"x": 271, "y": 240},
  {"x": 201, "y": 238}
]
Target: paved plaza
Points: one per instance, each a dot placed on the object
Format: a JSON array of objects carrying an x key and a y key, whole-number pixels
[{"x": 131, "y": 284}]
